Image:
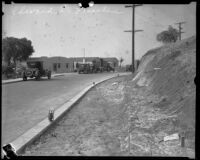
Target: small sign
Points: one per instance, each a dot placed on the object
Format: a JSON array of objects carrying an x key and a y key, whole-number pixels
[{"x": 171, "y": 137}]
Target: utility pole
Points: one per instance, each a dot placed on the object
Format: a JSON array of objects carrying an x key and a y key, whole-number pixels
[
  {"x": 84, "y": 52},
  {"x": 180, "y": 28},
  {"x": 83, "y": 55},
  {"x": 133, "y": 35},
  {"x": 133, "y": 54}
]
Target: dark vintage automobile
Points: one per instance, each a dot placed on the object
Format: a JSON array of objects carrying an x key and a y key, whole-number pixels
[
  {"x": 84, "y": 68},
  {"x": 37, "y": 70},
  {"x": 98, "y": 65}
]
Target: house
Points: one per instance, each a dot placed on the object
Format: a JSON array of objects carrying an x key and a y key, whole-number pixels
[{"x": 61, "y": 64}]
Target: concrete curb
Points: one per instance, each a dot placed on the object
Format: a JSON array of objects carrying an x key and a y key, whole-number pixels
[
  {"x": 20, "y": 79},
  {"x": 35, "y": 132}
]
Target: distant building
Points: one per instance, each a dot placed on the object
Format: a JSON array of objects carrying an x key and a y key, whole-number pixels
[
  {"x": 63, "y": 64},
  {"x": 55, "y": 64}
]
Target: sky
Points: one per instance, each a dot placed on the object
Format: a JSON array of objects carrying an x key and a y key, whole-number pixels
[{"x": 70, "y": 31}]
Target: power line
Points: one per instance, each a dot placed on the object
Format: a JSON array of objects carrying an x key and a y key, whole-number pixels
[{"x": 180, "y": 28}]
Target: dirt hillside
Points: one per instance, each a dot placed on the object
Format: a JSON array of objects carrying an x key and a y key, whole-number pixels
[{"x": 169, "y": 72}]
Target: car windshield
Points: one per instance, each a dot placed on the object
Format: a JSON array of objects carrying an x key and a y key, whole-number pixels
[{"x": 34, "y": 64}]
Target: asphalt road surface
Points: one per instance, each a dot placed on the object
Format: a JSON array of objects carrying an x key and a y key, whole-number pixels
[{"x": 24, "y": 104}]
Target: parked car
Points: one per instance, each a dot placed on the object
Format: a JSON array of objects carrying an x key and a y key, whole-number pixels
[
  {"x": 37, "y": 70},
  {"x": 84, "y": 68}
]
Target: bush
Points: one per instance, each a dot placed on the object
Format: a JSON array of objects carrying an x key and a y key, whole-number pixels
[{"x": 171, "y": 35}]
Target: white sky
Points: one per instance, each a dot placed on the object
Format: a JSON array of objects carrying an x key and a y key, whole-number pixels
[{"x": 65, "y": 30}]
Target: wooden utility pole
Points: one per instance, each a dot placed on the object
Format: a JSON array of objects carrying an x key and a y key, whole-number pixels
[
  {"x": 133, "y": 50},
  {"x": 180, "y": 28},
  {"x": 133, "y": 35},
  {"x": 83, "y": 55}
]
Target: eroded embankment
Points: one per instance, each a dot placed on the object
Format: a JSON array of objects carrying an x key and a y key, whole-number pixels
[
  {"x": 166, "y": 75},
  {"x": 131, "y": 116}
]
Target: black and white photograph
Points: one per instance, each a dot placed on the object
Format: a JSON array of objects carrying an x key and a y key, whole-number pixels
[{"x": 98, "y": 80}]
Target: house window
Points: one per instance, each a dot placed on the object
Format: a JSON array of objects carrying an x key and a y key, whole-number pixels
[
  {"x": 67, "y": 65},
  {"x": 58, "y": 65}
]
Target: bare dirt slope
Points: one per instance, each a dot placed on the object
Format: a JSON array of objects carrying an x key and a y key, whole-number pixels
[
  {"x": 167, "y": 74},
  {"x": 130, "y": 116},
  {"x": 170, "y": 74}
]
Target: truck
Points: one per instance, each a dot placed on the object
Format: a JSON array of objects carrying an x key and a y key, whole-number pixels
[
  {"x": 36, "y": 69},
  {"x": 97, "y": 65},
  {"x": 84, "y": 68}
]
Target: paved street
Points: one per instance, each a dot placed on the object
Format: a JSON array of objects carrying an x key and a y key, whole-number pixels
[{"x": 24, "y": 104}]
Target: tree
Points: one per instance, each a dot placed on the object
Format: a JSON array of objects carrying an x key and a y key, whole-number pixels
[
  {"x": 169, "y": 36},
  {"x": 120, "y": 61},
  {"x": 14, "y": 49}
]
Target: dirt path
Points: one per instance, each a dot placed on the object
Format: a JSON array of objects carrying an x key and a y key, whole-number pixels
[{"x": 115, "y": 118}]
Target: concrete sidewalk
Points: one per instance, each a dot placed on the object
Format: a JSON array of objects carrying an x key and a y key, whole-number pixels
[{"x": 20, "y": 79}]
